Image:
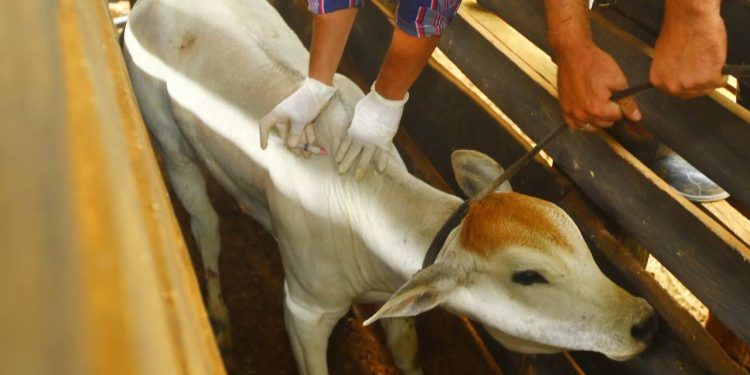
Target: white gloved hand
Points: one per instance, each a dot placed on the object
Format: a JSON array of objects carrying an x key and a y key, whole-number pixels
[
  {"x": 293, "y": 117},
  {"x": 374, "y": 125}
]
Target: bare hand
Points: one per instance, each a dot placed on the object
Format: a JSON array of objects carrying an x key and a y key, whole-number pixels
[
  {"x": 586, "y": 79},
  {"x": 690, "y": 51}
]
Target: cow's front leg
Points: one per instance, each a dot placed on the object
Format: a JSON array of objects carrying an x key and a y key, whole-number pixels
[
  {"x": 309, "y": 328},
  {"x": 401, "y": 337}
]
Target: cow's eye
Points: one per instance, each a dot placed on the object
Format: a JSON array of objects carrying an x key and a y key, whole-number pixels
[{"x": 529, "y": 277}]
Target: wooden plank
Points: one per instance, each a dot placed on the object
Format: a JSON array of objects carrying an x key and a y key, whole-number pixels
[
  {"x": 718, "y": 150},
  {"x": 676, "y": 231},
  {"x": 686, "y": 327},
  {"x": 434, "y": 129},
  {"x": 41, "y": 327},
  {"x": 731, "y": 218},
  {"x": 161, "y": 312},
  {"x": 537, "y": 36},
  {"x": 734, "y": 346},
  {"x": 113, "y": 291}
]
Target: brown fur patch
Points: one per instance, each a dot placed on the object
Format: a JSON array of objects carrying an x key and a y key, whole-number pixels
[{"x": 506, "y": 219}]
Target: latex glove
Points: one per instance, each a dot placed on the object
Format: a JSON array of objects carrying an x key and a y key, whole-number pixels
[
  {"x": 374, "y": 125},
  {"x": 293, "y": 117}
]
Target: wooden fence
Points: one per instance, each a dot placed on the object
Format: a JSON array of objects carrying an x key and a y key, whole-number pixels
[
  {"x": 500, "y": 83},
  {"x": 96, "y": 278},
  {"x": 95, "y": 274}
]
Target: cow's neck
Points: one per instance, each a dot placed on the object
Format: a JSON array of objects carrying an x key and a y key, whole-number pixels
[
  {"x": 403, "y": 216},
  {"x": 396, "y": 214}
]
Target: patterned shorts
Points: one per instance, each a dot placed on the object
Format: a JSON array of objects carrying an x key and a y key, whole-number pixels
[{"x": 421, "y": 18}]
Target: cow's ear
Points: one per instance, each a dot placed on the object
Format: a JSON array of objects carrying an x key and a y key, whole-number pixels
[
  {"x": 475, "y": 170},
  {"x": 423, "y": 291}
]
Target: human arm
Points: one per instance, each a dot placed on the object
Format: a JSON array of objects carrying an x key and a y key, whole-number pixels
[
  {"x": 294, "y": 115},
  {"x": 406, "y": 57},
  {"x": 330, "y": 32},
  {"x": 377, "y": 115},
  {"x": 691, "y": 48},
  {"x": 587, "y": 76}
]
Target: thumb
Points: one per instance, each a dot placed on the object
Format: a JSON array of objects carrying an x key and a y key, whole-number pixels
[
  {"x": 630, "y": 109},
  {"x": 265, "y": 125},
  {"x": 382, "y": 160}
]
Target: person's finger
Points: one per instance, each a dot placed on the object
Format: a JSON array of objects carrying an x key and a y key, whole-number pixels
[
  {"x": 295, "y": 134},
  {"x": 571, "y": 122},
  {"x": 266, "y": 123},
  {"x": 604, "y": 115},
  {"x": 617, "y": 82},
  {"x": 304, "y": 145},
  {"x": 351, "y": 156},
  {"x": 281, "y": 128},
  {"x": 692, "y": 94},
  {"x": 581, "y": 120},
  {"x": 705, "y": 87},
  {"x": 336, "y": 142},
  {"x": 581, "y": 125},
  {"x": 294, "y": 149},
  {"x": 588, "y": 128},
  {"x": 629, "y": 109},
  {"x": 342, "y": 149},
  {"x": 364, "y": 162},
  {"x": 310, "y": 134},
  {"x": 595, "y": 124},
  {"x": 382, "y": 160}
]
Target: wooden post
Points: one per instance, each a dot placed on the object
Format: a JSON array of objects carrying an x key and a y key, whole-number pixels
[
  {"x": 729, "y": 341},
  {"x": 97, "y": 278}
]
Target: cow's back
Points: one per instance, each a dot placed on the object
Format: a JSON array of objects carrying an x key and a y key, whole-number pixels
[{"x": 223, "y": 65}]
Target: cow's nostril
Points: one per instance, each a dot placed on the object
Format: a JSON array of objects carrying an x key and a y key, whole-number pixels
[{"x": 645, "y": 330}]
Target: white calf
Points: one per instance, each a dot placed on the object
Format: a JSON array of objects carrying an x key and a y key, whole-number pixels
[{"x": 205, "y": 72}]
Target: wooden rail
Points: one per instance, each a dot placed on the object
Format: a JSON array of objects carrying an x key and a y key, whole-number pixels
[
  {"x": 98, "y": 279},
  {"x": 518, "y": 79},
  {"x": 701, "y": 130},
  {"x": 438, "y": 129}
]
